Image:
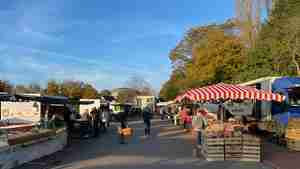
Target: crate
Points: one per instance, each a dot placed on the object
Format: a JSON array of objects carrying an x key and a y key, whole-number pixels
[
  {"x": 293, "y": 133},
  {"x": 213, "y": 141},
  {"x": 293, "y": 144},
  {"x": 233, "y": 141},
  {"x": 251, "y": 148},
  {"x": 233, "y": 156},
  {"x": 294, "y": 123},
  {"x": 213, "y": 148},
  {"x": 233, "y": 149},
  {"x": 214, "y": 157}
]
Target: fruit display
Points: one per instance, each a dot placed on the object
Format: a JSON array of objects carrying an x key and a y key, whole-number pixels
[{"x": 292, "y": 134}]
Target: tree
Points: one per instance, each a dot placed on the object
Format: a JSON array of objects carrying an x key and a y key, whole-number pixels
[
  {"x": 105, "y": 92},
  {"x": 127, "y": 96},
  {"x": 53, "y": 88},
  {"x": 5, "y": 86},
  {"x": 88, "y": 92},
  {"x": 217, "y": 57},
  {"x": 140, "y": 84},
  {"x": 72, "y": 88},
  {"x": 277, "y": 48}
]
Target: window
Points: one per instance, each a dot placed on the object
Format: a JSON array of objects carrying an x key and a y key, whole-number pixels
[{"x": 294, "y": 96}]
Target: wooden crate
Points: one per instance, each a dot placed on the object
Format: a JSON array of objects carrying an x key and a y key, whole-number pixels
[
  {"x": 233, "y": 141},
  {"x": 214, "y": 157},
  {"x": 294, "y": 123},
  {"x": 213, "y": 149},
  {"x": 233, "y": 148},
  {"x": 251, "y": 148},
  {"x": 213, "y": 141},
  {"x": 293, "y": 133},
  {"x": 293, "y": 144},
  {"x": 233, "y": 156}
]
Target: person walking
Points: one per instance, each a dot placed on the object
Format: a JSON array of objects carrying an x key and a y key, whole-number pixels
[
  {"x": 183, "y": 117},
  {"x": 199, "y": 124},
  {"x": 69, "y": 124},
  {"x": 122, "y": 118},
  {"x": 147, "y": 116},
  {"x": 105, "y": 117},
  {"x": 95, "y": 121}
]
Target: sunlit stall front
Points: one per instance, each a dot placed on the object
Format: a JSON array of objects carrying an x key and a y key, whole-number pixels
[{"x": 229, "y": 137}]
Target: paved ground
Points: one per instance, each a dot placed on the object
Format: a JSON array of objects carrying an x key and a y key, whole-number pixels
[{"x": 168, "y": 147}]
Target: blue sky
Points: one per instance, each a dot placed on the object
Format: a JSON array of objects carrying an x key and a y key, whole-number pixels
[{"x": 103, "y": 42}]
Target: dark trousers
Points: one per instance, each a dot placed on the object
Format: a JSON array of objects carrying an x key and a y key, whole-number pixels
[
  {"x": 103, "y": 126},
  {"x": 147, "y": 127},
  {"x": 199, "y": 137},
  {"x": 96, "y": 128}
]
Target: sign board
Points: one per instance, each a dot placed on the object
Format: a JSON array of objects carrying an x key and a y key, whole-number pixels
[
  {"x": 21, "y": 111},
  {"x": 243, "y": 108}
]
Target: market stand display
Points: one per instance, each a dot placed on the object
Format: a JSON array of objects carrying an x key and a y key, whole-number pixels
[
  {"x": 293, "y": 134},
  {"x": 227, "y": 140}
]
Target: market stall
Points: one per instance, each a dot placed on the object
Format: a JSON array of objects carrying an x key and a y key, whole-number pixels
[
  {"x": 20, "y": 139},
  {"x": 229, "y": 139}
]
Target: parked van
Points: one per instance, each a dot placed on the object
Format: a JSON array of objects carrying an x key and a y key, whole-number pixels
[{"x": 287, "y": 86}]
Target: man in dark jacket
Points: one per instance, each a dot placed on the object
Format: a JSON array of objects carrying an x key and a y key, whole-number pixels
[
  {"x": 96, "y": 119},
  {"x": 147, "y": 116}
]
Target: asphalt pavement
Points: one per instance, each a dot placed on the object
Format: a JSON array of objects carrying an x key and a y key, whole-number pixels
[{"x": 168, "y": 147}]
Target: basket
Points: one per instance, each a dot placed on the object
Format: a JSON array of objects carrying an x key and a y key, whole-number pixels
[{"x": 126, "y": 131}]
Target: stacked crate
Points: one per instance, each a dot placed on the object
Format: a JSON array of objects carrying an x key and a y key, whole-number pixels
[
  {"x": 233, "y": 148},
  {"x": 213, "y": 148},
  {"x": 293, "y": 134},
  {"x": 251, "y": 148}
]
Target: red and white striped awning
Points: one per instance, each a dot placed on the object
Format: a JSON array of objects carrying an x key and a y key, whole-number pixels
[{"x": 228, "y": 91}]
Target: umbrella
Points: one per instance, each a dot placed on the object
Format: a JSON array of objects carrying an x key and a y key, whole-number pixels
[{"x": 224, "y": 91}]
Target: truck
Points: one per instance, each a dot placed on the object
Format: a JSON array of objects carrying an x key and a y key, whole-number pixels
[{"x": 281, "y": 112}]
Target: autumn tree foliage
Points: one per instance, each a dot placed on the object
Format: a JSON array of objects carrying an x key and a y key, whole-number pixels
[
  {"x": 72, "y": 89},
  {"x": 238, "y": 51},
  {"x": 5, "y": 86},
  {"x": 216, "y": 55}
]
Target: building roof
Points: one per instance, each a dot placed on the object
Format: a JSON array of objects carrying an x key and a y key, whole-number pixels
[{"x": 43, "y": 99}]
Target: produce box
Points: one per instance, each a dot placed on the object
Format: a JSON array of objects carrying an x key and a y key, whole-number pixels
[
  {"x": 293, "y": 144},
  {"x": 292, "y": 133},
  {"x": 251, "y": 148},
  {"x": 233, "y": 148},
  {"x": 294, "y": 123},
  {"x": 233, "y": 141},
  {"x": 213, "y": 148},
  {"x": 126, "y": 131}
]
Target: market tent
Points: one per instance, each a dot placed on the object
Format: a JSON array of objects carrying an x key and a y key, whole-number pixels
[{"x": 224, "y": 91}]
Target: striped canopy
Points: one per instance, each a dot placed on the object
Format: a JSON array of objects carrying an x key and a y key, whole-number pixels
[{"x": 228, "y": 91}]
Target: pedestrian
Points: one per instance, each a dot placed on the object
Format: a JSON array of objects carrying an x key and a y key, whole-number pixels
[
  {"x": 105, "y": 117},
  {"x": 147, "y": 116},
  {"x": 69, "y": 124},
  {"x": 199, "y": 124},
  {"x": 122, "y": 118},
  {"x": 183, "y": 117},
  {"x": 95, "y": 121},
  {"x": 162, "y": 113}
]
